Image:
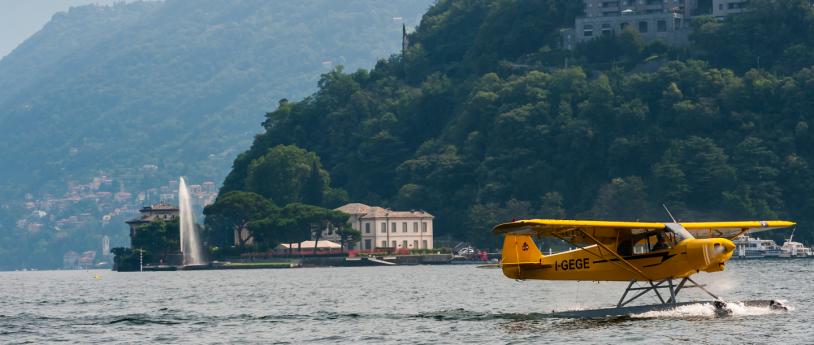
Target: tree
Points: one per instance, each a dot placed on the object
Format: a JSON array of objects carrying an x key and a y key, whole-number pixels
[
  {"x": 229, "y": 217},
  {"x": 158, "y": 239},
  {"x": 766, "y": 36},
  {"x": 551, "y": 206},
  {"x": 704, "y": 166},
  {"x": 314, "y": 187},
  {"x": 622, "y": 198},
  {"x": 349, "y": 236},
  {"x": 288, "y": 174}
]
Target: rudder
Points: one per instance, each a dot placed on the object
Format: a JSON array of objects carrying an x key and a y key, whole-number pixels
[{"x": 518, "y": 251}]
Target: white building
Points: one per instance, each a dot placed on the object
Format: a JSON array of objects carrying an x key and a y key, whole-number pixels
[{"x": 384, "y": 228}]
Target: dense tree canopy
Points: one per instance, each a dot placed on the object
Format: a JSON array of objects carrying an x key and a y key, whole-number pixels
[
  {"x": 157, "y": 239},
  {"x": 232, "y": 213},
  {"x": 457, "y": 127},
  {"x": 774, "y": 35},
  {"x": 249, "y": 221}
]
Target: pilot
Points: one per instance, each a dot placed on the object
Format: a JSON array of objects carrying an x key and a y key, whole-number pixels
[{"x": 661, "y": 243}]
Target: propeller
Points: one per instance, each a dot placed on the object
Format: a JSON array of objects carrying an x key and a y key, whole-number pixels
[{"x": 715, "y": 251}]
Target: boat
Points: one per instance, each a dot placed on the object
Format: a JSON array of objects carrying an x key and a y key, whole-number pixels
[
  {"x": 793, "y": 249},
  {"x": 755, "y": 248}
]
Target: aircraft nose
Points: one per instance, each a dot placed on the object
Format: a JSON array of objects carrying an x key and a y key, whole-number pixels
[{"x": 723, "y": 246}]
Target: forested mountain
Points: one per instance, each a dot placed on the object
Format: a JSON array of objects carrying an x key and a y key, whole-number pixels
[
  {"x": 478, "y": 122},
  {"x": 176, "y": 86}
]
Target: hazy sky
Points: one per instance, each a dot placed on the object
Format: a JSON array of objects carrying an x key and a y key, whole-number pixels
[{"x": 19, "y": 19}]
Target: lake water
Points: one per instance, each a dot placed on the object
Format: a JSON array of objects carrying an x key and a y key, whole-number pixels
[{"x": 384, "y": 305}]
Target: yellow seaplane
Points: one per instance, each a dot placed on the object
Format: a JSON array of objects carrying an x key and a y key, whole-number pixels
[{"x": 651, "y": 256}]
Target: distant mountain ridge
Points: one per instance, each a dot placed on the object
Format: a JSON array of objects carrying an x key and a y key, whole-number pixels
[
  {"x": 125, "y": 84},
  {"x": 180, "y": 85}
]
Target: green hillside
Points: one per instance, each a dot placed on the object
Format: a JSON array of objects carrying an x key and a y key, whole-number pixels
[
  {"x": 178, "y": 86},
  {"x": 478, "y": 122}
]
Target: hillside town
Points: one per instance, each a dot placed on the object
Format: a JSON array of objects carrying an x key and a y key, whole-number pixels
[{"x": 106, "y": 204}]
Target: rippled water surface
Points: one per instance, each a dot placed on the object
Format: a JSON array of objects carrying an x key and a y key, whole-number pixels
[{"x": 400, "y": 305}]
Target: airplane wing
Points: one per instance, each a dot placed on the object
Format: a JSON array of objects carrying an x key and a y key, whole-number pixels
[
  {"x": 574, "y": 231},
  {"x": 731, "y": 230}
]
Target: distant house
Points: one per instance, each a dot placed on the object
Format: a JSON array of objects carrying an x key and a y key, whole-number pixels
[
  {"x": 664, "y": 20},
  {"x": 385, "y": 228},
  {"x": 165, "y": 212},
  {"x": 652, "y": 19},
  {"x": 722, "y": 8}
]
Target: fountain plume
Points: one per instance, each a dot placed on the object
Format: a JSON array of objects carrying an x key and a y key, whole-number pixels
[{"x": 190, "y": 242}]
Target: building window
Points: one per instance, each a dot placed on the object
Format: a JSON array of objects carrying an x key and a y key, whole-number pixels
[
  {"x": 384, "y": 227},
  {"x": 424, "y": 244},
  {"x": 393, "y": 229},
  {"x": 384, "y": 244},
  {"x": 394, "y": 244},
  {"x": 643, "y": 27},
  {"x": 415, "y": 226},
  {"x": 606, "y": 30},
  {"x": 368, "y": 244},
  {"x": 588, "y": 30},
  {"x": 404, "y": 244},
  {"x": 367, "y": 228},
  {"x": 423, "y": 227},
  {"x": 404, "y": 227},
  {"x": 623, "y": 26},
  {"x": 661, "y": 26},
  {"x": 415, "y": 244}
]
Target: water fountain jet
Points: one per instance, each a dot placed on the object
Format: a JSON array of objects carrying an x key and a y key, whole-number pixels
[{"x": 190, "y": 241}]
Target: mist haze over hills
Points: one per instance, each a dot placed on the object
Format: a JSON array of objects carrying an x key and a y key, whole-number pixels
[{"x": 146, "y": 91}]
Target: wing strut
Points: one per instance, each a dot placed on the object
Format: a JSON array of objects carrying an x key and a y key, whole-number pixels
[
  {"x": 624, "y": 263},
  {"x": 615, "y": 254}
]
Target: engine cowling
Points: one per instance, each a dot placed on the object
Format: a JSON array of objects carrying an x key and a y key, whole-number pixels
[{"x": 710, "y": 255}]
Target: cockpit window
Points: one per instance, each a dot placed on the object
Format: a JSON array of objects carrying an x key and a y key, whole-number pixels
[
  {"x": 642, "y": 241},
  {"x": 679, "y": 232}
]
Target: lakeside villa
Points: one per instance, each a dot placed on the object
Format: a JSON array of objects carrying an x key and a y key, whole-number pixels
[
  {"x": 385, "y": 228},
  {"x": 152, "y": 213}
]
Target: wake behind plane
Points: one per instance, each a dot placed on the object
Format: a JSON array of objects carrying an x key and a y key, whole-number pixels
[{"x": 658, "y": 256}]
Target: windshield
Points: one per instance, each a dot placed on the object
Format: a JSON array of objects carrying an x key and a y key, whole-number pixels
[{"x": 679, "y": 231}]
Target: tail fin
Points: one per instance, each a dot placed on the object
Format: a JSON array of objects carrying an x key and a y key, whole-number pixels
[{"x": 518, "y": 251}]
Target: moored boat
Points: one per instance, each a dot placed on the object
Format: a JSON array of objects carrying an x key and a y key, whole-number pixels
[
  {"x": 755, "y": 248},
  {"x": 793, "y": 249}
]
